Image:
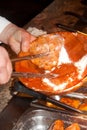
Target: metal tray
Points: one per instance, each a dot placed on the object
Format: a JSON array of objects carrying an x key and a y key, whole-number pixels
[{"x": 39, "y": 119}]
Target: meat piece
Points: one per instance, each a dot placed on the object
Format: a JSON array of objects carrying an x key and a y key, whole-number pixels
[
  {"x": 57, "y": 125},
  {"x": 73, "y": 126},
  {"x": 83, "y": 107},
  {"x": 67, "y": 57},
  {"x": 72, "y": 102}
]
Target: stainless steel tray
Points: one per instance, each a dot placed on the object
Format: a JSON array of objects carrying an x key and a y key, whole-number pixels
[{"x": 39, "y": 119}]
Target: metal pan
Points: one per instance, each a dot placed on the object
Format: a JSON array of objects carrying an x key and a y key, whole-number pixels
[{"x": 39, "y": 119}]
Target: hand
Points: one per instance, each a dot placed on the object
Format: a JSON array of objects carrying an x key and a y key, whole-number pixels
[
  {"x": 16, "y": 37},
  {"x": 5, "y": 66}
]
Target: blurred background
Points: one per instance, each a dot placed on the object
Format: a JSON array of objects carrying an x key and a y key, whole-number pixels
[{"x": 20, "y": 12}]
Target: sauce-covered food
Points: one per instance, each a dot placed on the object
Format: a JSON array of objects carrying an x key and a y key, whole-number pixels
[
  {"x": 67, "y": 57},
  {"x": 59, "y": 125}
]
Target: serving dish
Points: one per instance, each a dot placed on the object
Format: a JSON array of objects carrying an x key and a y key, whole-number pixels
[
  {"x": 38, "y": 119},
  {"x": 67, "y": 56}
]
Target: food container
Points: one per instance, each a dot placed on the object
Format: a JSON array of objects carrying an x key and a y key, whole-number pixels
[
  {"x": 38, "y": 119},
  {"x": 66, "y": 60}
]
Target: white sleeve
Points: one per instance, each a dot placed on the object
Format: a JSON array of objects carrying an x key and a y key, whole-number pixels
[{"x": 3, "y": 23}]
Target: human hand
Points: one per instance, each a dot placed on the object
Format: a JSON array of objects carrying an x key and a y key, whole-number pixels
[
  {"x": 16, "y": 37},
  {"x": 5, "y": 66}
]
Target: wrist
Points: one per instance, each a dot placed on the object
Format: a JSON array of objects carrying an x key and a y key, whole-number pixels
[{"x": 3, "y": 23}]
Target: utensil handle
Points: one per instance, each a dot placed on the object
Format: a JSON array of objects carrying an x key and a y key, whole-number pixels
[
  {"x": 20, "y": 87},
  {"x": 33, "y": 75},
  {"x": 65, "y": 106},
  {"x": 40, "y": 106},
  {"x": 29, "y": 57}
]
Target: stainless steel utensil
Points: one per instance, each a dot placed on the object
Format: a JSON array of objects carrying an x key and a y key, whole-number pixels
[
  {"x": 29, "y": 74},
  {"x": 77, "y": 95},
  {"x": 19, "y": 87},
  {"x": 29, "y": 57},
  {"x": 33, "y": 75}
]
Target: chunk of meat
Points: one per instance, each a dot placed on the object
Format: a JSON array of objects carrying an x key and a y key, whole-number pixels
[
  {"x": 83, "y": 107},
  {"x": 73, "y": 126},
  {"x": 67, "y": 57},
  {"x": 72, "y": 102},
  {"x": 57, "y": 125}
]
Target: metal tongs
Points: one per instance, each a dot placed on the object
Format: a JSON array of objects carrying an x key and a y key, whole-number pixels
[
  {"x": 30, "y": 74},
  {"x": 19, "y": 87},
  {"x": 29, "y": 57}
]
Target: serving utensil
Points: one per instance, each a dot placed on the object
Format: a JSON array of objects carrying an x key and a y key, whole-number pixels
[
  {"x": 77, "y": 95},
  {"x": 33, "y": 75},
  {"x": 29, "y": 57},
  {"x": 29, "y": 74},
  {"x": 19, "y": 87}
]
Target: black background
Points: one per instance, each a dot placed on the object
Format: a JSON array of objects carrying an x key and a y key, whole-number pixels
[{"x": 22, "y": 11}]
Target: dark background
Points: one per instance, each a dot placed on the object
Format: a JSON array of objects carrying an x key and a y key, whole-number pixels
[{"x": 20, "y": 12}]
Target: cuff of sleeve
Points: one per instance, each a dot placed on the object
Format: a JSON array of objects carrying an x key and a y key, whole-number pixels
[{"x": 3, "y": 23}]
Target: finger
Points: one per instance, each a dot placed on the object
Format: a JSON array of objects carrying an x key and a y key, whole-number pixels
[
  {"x": 15, "y": 46},
  {"x": 26, "y": 40},
  {"x": 4, "y": 77},
  {"x": 5, "y": 66},
  {"x": 5, "y": 73}
]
